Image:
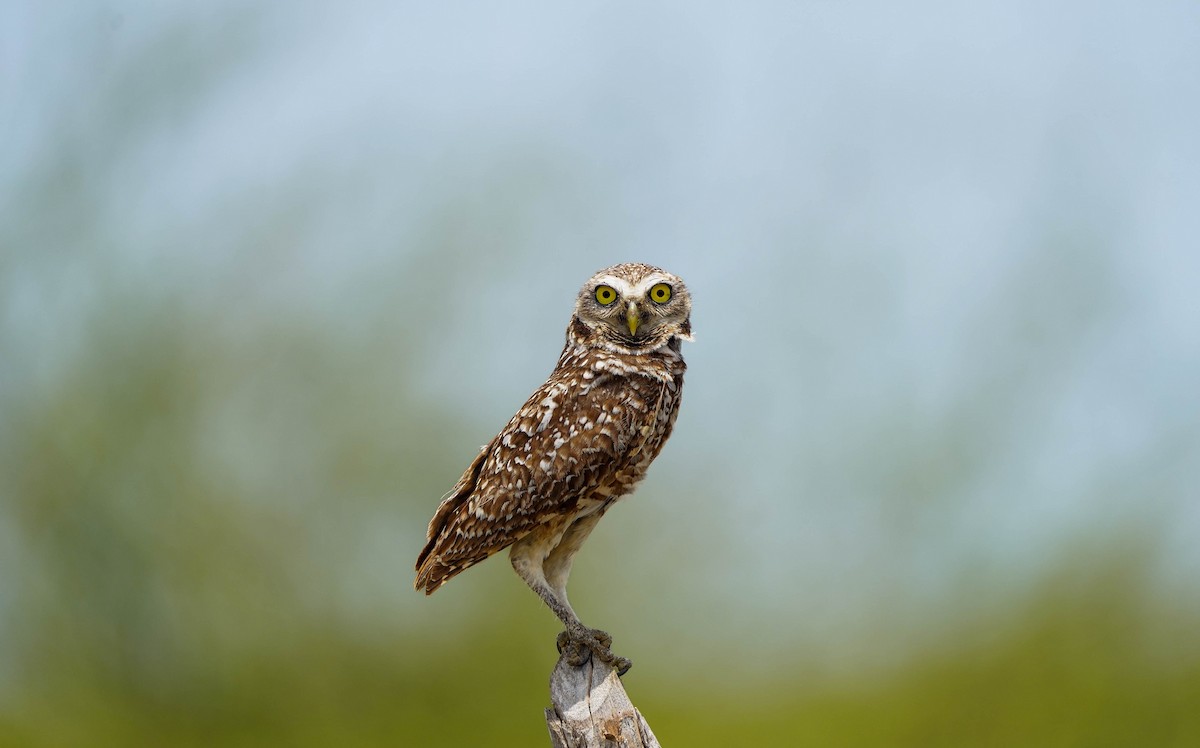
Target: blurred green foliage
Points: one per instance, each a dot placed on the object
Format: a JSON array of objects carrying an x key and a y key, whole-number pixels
[{"x": 160, "y": 597}]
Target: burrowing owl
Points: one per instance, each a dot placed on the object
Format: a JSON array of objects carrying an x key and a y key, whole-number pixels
[{"x": 582, "y": 441}]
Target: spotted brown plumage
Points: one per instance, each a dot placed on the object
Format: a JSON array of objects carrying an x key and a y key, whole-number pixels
[{"x": 582, "y": 440}]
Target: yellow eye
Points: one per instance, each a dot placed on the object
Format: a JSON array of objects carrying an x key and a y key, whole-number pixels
[
  {"x": 660, "y": 293},
  {"x": 605, "y": 295}
]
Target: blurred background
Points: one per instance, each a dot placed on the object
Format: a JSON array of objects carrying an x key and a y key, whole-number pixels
[{"x": 271, "y": 272}]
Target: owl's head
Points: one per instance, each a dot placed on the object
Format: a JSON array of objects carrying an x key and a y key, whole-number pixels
[{"x": 633, "y": 308}]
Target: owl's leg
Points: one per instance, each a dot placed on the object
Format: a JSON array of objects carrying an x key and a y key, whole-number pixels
[
  {"x": 531, "y": 558},
  {"x": 558, "y": 564}
]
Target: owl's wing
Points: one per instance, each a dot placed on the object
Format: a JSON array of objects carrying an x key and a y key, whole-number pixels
[{"x": 566, "y": 441}]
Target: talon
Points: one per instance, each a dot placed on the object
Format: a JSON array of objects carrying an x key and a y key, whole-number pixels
[
  {"x": 603, "y": 637},
  {"x": 575, "y": 652},
  {"x": 576, "y": 647},
  {"x": 620, "y": 664}
]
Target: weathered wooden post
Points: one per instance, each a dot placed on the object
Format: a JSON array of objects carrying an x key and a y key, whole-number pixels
[{"x": 592, "y": 710}]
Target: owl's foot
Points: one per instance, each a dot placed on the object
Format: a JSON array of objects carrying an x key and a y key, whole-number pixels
[
  {"x": 603, "y": 637},
  {"x": 577, "y": 647}
]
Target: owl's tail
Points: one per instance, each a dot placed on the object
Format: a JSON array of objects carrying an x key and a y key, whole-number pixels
[
  {"x": 437, "y": 562},
  {"x": 429, "y": 574},
  {"x": 434, "y": 570}
]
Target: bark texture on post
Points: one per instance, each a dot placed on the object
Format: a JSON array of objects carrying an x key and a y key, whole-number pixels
[{"x": 592, "y": 710}]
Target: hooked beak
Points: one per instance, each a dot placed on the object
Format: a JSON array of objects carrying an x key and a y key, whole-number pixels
[{"x": 632, "y": 318}]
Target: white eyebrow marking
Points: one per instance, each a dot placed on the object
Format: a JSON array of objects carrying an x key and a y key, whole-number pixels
[{"x": 620, "y": 284}]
